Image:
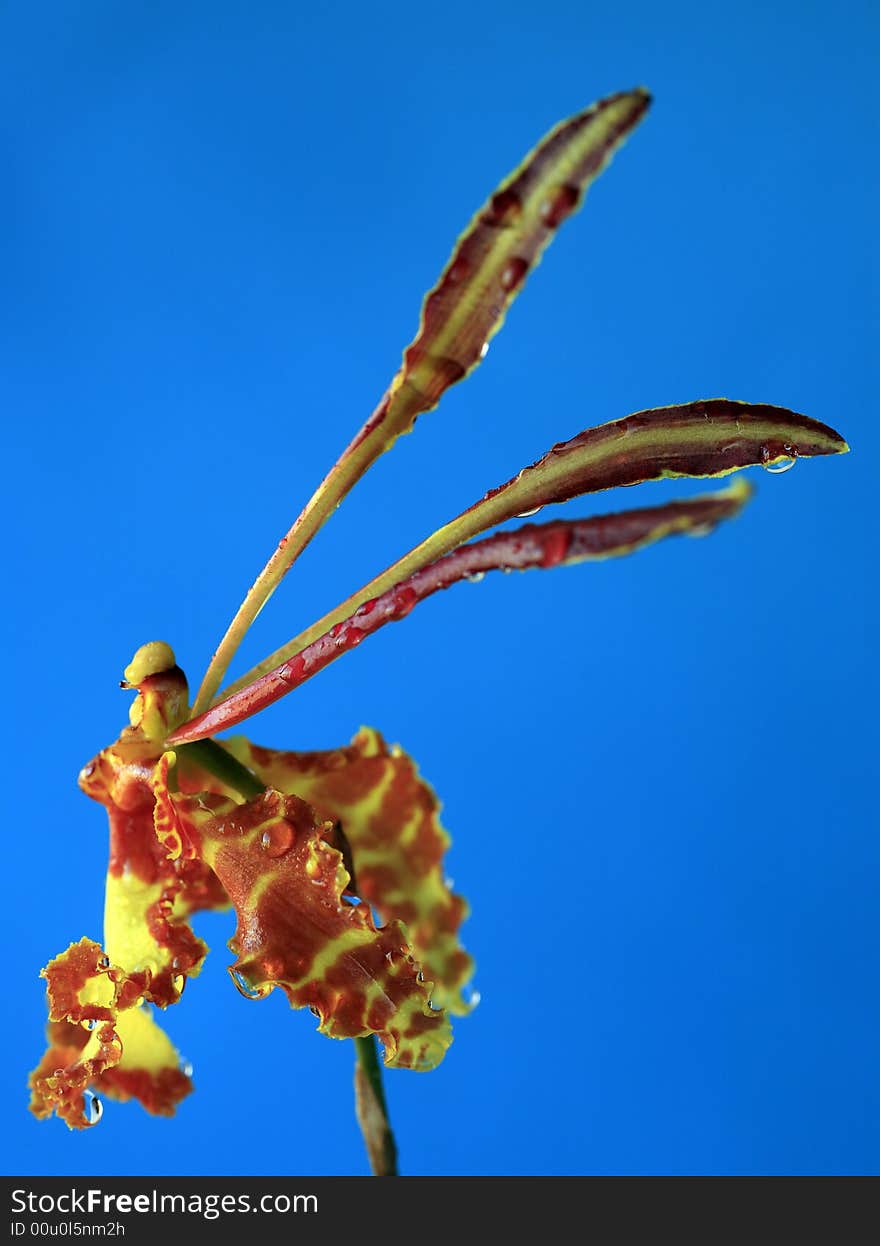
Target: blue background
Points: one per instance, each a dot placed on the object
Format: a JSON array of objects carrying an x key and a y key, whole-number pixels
[{"x": 217, "y": 224}]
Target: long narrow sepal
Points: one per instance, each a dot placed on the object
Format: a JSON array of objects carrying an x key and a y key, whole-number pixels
[
  {"x": 466, "y": 307},
  {"x": 712, "y": 437},
  {"x": 531, "y": 546}
]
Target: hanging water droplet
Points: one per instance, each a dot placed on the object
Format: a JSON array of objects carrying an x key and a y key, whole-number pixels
[
  {"x": 93, "y": 1108},
  {"x": 700, "y": 529},
  {"x": 277, "y": 839},
  {"x": 484, "y": 350},
  {"x": 245, "y": 988},
  {"x": 104, "y": 962},
  {"x": 474, "y": 577},
  {"x": 777, "y": 469},
  {"x": 473, "y": 998},
  {"x": 782, "y": 464},
  {"x": 528, "y": 514},
  {"x": 90, "y": 1023},
  {"x": 185, "y": 1067}
]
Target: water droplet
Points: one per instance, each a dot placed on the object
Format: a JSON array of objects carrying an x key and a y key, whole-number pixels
[
  {"x": 93, "y": 1108},
  {"x": 473, "y": 998},
  {"x": 528, "y": 514},
  {"x": 513, "y": 273},
  {"x": 104, "y": 962},
  {"x": 505, "y": 208},
  {"x": 245, "y": 988},
  {"x": 783, "y": 464},
  {"x": 185, "y": 1067},
  {"x": 484, "y": 350},
  {"x": 277, "y": 839},
  {"x": 700, "y": 529},
  {"x": 474, "y": 577},
  {"x": 558, "y": 204},
  {"x": 90, "y": 1023}
]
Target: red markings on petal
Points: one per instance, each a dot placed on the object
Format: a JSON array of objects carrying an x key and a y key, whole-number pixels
[
  {"x": 390, "y": 818},
  {"x": 295, "y": 929}
]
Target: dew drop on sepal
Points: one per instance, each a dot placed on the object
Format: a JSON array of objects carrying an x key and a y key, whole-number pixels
[{"x": 783, "y": 465}]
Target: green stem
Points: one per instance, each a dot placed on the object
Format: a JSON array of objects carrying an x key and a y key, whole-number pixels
[
  {"x": 372, "y": 1109},
  {"x": 211, "y": 756}
]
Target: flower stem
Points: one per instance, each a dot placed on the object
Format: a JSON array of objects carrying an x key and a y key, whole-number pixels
[
  {"x": 211, "y": 756},
  {"x": 372, "y": 1109}
]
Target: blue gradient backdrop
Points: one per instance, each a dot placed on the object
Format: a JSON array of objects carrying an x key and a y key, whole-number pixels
[{"x": 216, "y": 227}]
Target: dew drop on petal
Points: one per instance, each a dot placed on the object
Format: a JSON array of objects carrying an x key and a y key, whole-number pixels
[
  {"x": 93, "y": 1108},
  {"x": 277, "y": 839},
  {"x": 528, "y": 514},
  {"x": 484, "y": 350},
  {"x": 244, "y": 987}
]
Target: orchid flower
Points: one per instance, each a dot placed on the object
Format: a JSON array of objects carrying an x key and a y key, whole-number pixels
[{"x": 333, "y": 861}]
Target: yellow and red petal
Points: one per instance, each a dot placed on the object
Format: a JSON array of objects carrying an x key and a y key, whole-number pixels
[
  {"x": 101, "y": 1040},
  {"x": 390, "y": 818},
  {"x": 148, "y": 896},
  {"x": 149, "y": 1069},
  {"x": 296, "y": 930}
]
